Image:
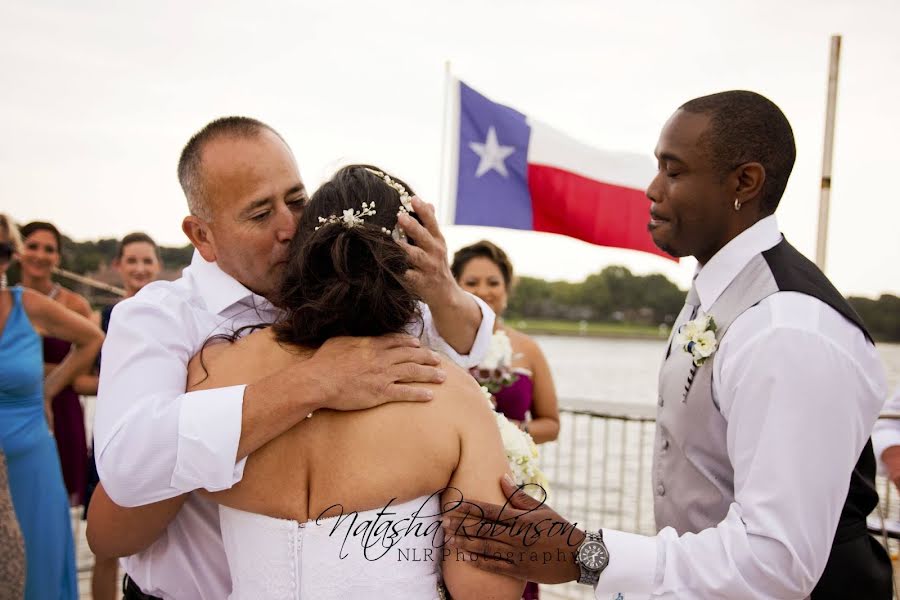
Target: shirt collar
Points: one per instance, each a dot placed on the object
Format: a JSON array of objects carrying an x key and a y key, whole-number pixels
[
  {"x": 712, "y": 278},
  {"x": 218, "y": 289}
]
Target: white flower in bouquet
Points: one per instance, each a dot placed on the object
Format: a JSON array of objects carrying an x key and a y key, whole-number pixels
[
  {"x": 495, "y": 371},
  {"x": 499, "y": 353},
  {"x": 521, "y": 454}
]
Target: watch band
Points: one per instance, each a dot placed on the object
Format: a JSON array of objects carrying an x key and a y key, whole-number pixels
[{"x": 589, "y": 576}]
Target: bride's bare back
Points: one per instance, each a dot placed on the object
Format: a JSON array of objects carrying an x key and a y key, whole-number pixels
[{"x": 360, "y": 460}]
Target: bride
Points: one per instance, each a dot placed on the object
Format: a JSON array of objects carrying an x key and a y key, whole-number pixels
[{"x": 345, "y": 504}]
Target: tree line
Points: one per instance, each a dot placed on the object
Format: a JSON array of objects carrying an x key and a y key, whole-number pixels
[
  {"x": 86, "y": 257},
  {"x": 615, "y": 294}
]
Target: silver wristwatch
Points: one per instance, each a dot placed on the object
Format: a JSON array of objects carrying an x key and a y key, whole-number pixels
[{"x": 592, "y": 557}]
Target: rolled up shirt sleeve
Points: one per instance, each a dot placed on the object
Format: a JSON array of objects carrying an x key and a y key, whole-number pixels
[
  {"x": 432, "y": 338},
  {"x": 152, "y": 440}
]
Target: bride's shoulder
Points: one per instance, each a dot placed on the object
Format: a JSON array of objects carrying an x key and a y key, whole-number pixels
[
  {"x": 460, "y": 393},
  {"x": 221, "y": 360}
]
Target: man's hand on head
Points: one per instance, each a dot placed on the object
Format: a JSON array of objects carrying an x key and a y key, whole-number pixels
[
  {"x": 456, "y": 315},
  {"x": 430, "y": 274},
  {"x": 359, "y": 373}
]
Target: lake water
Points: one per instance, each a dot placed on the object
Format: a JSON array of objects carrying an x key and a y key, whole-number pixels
[{"x": 588, "y": 371}]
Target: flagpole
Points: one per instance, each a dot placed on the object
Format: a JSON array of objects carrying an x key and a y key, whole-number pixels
[
  {"x": 825, "y": 189},
  {"x": 443, "y": 171},
  {"x": 448, "y": 148}
]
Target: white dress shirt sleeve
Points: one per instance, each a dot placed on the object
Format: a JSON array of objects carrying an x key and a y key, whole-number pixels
[
  {"x": 799, "y": 409},
  {"x": 887, "y": 431},
  {"x": 432, "y": 338},
  {"x": 152, "y": 440}
]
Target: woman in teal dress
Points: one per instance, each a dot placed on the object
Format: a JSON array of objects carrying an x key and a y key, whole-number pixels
[{"x": 35, "y": 478}]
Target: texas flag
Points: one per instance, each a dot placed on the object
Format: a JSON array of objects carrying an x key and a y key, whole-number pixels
[{"x": 518, "y": 173}]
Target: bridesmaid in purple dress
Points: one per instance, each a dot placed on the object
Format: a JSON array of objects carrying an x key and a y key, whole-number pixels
[
  {"x": 483, "y": 269},
  {"x": 41, "y": 254}
]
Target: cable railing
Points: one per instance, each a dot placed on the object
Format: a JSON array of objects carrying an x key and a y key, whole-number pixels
[{"x": 599, "y": 471}]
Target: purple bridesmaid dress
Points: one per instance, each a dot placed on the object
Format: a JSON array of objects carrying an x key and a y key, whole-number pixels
[
  {"x": 68, "y": 428},
  {"x": 515, "y": 402}
]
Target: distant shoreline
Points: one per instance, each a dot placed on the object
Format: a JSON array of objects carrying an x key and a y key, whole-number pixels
[
  {"x": 621, "y": 331},
  {"x": 587, "y": 329}
]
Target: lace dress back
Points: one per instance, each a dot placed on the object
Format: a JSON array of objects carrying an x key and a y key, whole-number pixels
[{"x": 391, "y": 552}]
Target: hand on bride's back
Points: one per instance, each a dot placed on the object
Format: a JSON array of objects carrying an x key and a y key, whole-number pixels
[{"x": 356, "y": 373}]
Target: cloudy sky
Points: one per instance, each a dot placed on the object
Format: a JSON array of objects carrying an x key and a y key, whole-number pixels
[{"x": 99, "y": 97}]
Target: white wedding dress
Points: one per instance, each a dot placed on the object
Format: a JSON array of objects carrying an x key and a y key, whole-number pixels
[{"x": 364, "y": 555}]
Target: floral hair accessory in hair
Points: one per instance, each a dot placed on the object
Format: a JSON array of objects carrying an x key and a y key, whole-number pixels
[
  {"x": 406, "y": 206},
  {"x": 350, "y": 218}
]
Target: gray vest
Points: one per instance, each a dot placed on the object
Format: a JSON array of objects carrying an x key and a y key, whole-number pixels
[{"x": 693, "y": 479}]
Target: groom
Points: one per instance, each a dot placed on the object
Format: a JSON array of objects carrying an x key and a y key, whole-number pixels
[
  {"x": 154, "y": 442},
  {"x": 763, "y": 469}
]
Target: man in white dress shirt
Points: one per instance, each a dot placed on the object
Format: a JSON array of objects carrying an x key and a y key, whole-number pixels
[
  {"x": 154, "y": 441},
  {"x": 742, "y": 510}
]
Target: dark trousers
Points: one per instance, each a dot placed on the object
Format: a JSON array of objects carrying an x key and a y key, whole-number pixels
[
  {"x": 131, "y": 591},
  {"x": 857, "y": 568}
]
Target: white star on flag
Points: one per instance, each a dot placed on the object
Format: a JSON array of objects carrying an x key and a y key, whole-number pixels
[{"x": 492, "y": 154}]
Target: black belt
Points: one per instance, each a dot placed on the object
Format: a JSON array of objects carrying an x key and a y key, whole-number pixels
[{"x": 131, "y": 591}]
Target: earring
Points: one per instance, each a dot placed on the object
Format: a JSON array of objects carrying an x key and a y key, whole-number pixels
[{"x": 737, "y": 204}]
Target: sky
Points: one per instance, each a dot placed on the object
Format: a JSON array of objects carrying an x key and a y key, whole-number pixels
[{"x": 98, "y": 98}]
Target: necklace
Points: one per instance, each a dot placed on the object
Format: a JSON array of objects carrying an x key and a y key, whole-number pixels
[{"x": 52, "y": 294}]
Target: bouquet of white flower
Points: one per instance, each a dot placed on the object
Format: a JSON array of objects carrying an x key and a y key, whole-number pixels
[
  {"x": 495, "y": 371},
  {"x": 521, "y": 453}
]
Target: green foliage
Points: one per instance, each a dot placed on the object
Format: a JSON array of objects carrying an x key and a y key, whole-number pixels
[
  {"x": 173, "y": 258},
  {"x": 614, "y": 294},
  {"x": 86, "y": 257},
  {"x": 882, "y": 316}
]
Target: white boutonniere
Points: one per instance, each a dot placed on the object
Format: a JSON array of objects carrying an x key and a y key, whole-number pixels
[{"x": 698, "y": 338}]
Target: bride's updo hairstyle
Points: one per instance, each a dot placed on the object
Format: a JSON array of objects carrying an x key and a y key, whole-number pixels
[{"x": 346, "y": 280}]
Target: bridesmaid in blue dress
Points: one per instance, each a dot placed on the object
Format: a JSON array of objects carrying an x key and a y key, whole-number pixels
[{"x": 35, "y": 477}]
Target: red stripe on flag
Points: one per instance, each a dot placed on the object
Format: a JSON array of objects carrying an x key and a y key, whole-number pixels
[{"x": 590, "y": 210}]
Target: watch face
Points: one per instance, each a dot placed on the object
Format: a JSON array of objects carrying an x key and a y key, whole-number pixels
[{"x": 593, "y": 556}]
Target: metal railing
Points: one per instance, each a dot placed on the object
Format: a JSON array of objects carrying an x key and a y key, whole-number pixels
[{"x": 600, "y": 474}]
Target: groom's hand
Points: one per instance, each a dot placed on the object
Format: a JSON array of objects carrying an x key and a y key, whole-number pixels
[
  {"x": 529, "y": 540},
  {"x": 359, "y": 373}
]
